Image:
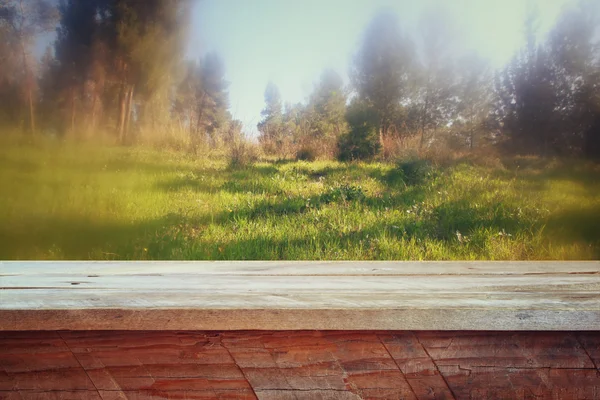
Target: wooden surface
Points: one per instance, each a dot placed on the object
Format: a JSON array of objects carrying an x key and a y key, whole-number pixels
[
  {"x": 308, "y": 365},
  {"x": 300, "y": 295}
]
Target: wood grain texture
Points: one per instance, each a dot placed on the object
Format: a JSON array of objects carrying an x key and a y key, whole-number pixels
[
  {"x": 299, "y": 365},
  {"x": 286, "y": 268},
  {"x": 300, "y": 295}
]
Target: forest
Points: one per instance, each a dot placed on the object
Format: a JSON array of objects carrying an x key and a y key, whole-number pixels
[{"x": 115, "y": 145}]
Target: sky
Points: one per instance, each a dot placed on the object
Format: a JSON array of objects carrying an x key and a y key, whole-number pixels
[{"x": 291, "y": 42}]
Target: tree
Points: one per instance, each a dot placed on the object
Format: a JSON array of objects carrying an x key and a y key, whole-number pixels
[
  {"x": 213, "y": 99},
  {"x": 527, "y": 99},
  {"x": 328, "y": 103},
  {"x": 22, "y": 21},
  {"x": 185, "y": 103},
  {"x": 435, "y": 93},
  {"x": 271, "y": 126},
  {"x": 76, "y": 82},
  {"x": 159, "y": 54},
  {"x": 202, "y": 99},
  {"x": 120, "y": 56},
  {"x": 574, "y": 48},
  {"x": 361, "y": 142},
  {"x": 474, "y": 92},
  {"x": 382, "y": 70},
  {"x": 10, "y": 72}
]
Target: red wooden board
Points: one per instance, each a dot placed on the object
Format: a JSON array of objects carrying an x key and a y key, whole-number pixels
[{"x": 299, "y": 365}]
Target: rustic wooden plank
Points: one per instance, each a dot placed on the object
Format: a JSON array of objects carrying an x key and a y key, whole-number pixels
[
  {"x": 301, "y": 364},
  {"x": 306, "y": 395},
  {"x": 286, "y": 268},
  {"x": 507, "y": 350},
  {"x": 53, "y": 395},
  {"x": 294, "y": 319},
  {"x": 591, "y": 345},
  {"x": 189, "y": 299},
  {"x": 419, "y": 369},
  {"x": 510, "y": 383},
  {"x": 348, "y": 296},
  {"x": 509, "y": 365},
  {"x": 303, "y": 283},
  {"x": 178, "y": 395}
]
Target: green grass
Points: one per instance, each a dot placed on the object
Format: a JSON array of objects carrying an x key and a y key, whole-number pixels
[{"x": 81, "y": 201}]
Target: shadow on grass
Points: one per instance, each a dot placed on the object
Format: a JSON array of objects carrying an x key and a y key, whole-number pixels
[
  {"x": 250, "y": 186},
  {"x": 184, "y": 183},
  {"x": 72, "y": 239},
  {"x": 461, "y": 216},
  {"x": 180, "y": 237},
  {"x": 237, "y": 180},
  {"x": 342, "y": 195},
  {"x": 536, "y": 174},
  {"x": 20, "y": 165},
  {"x": 578, "y": 224},
  {"x": 66, "y": 239},
  {"x": 342, "y": 169}
]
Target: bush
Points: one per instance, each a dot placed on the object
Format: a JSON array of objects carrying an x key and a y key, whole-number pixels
[
  {"x": 344, "y": 193},
  {"x": 306, "y": 154},
  {"x": 412, "y": 172},
  {"x": 242, "y": 153},
  {"x": 361, "y": 143},
  {"x": 416, "y": 171},
  {"x": 439, "y": 155},
  {"x": 395, "y": 177}
]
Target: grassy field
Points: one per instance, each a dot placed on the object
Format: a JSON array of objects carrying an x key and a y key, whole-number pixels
[{"x": 68, "y": 201}]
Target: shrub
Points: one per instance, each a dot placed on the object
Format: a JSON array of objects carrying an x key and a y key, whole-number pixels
[
  {"x": 395, "y": 177},
  {"x": 416, "y": 171},
  {"x": 306, "y": 154},
  {"x": 439, "y": 155},
  {"x": 242, "y": 153},
  {"x": 403, "y": 146},
  {"x": 343, "y": 193},
  {"x": 361, "y": 143},
  {"x": 413, "y": 172}
]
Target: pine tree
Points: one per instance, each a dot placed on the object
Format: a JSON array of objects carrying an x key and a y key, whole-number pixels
[
  {"x": 528, "y": 99},
  {"x": 474, "y": 105},
  {"x": 575, "y": 56},
  {"x": 434, "y": 77},
  {"x": 213, "y": 99},
  {"x": 328, "y": 104},
  {"x": 271, "y": 126},
  {"x": 382, "y": 70}
]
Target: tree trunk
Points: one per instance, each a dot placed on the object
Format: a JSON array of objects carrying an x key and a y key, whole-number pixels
[
  {"x": 122, "y": 109},
  {"x": 472, "y": 139},
  {"x": 31, "y": 112},
  {"x": 129, "y": 108},
  {"x": 201, "y": 107},
  {"x": 28, "y": 73},
  {"x": 423, "y": 122},
  {"x": 94, "y": 103},
  {"x": 190, "y": 121},
  {"x": 29, "y": 84},
  {"x": 72, "y": 129}
]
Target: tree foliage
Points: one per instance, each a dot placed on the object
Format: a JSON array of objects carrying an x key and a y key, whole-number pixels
[
  {"x": 118, "y": 67},
  {"x": 361, "y": 142},
  {"x": 381, "y": 73},
  {"x": 271, "y": 127}
]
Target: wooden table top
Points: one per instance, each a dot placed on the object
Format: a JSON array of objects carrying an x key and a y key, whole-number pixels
[{"x": 256, "y": 295}]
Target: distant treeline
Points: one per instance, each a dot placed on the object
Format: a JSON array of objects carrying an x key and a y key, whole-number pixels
[{"x": 118, "y": 68}]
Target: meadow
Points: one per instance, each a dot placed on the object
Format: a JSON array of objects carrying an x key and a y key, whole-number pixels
[{"x": 86, "y": 201}]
